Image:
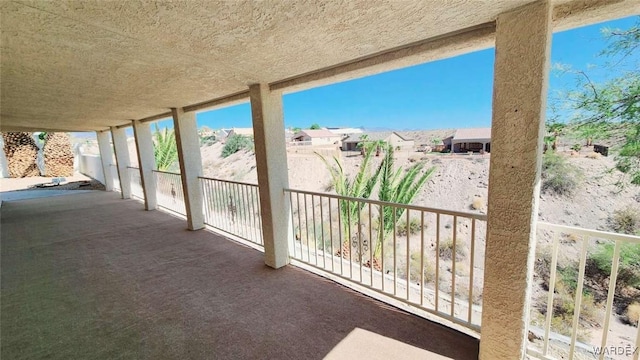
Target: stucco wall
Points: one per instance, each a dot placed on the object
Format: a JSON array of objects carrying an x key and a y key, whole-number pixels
[{"x": 91, "y": 165}]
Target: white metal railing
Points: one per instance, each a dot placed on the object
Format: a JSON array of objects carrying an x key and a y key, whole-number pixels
[
  {"x": 426, "y": 258},
  {"x": 136, "y": 182},
  {"x": 115, "y": 177},
  {"x": 560, "y": 336},
  {"x": 233, "y": 207},
  {"x": 169, "y": 191}
]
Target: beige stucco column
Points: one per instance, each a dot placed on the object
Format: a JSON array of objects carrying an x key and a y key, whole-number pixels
[
  {"x": 273, "y": 173},
  {"x": 121, "y": 149},
  {"x": 147, "y": 161},
  {"x": 106, "y": 154},
  {"x": 186, "y": 130},
  {"x": 523, "y": 39}
]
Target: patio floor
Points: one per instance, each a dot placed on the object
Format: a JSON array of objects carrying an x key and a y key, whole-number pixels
[{"x": 91, "y": 276}]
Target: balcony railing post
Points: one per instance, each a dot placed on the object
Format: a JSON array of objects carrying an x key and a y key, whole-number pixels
[
  {"x": 523, "y": 40},
  {"x": 190, "y": 159},
  {"x": 106, "y": 155},
  {"x": 273, "y": 177},
  {"x": 122, "y": 159},
  {"x": 146, "y": 159}
]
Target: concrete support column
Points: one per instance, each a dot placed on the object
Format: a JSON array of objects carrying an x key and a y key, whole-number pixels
[
  {"x": 190, "y": 159},
  {"x": 147, "y": 161},
  {"x": 273, "y": 177},
  {"x": 106, "y": 155},
  {"x": 121, "y": 149},
  {"x": 523, "y": 40}
]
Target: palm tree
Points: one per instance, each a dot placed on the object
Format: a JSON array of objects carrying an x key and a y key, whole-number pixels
[
  {"x": 399, "y": 188},
  {"x": 165, "y": 149},
  {"x": 360, "y": 187},
  {"x": 394, "y": 187}
]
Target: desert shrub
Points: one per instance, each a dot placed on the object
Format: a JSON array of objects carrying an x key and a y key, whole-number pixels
[
  {"x": 477, "y": 203},
  {"x": 626, "y": 221},
  {"x": 576, "y": 147},
  {"x": 208, "y": 140},
  {"x": 236, "y": 143},
  {"x": 462, "y": 268},
  {"x": 633, "y": 313},
  {"x": 542, "y": 266},
  {"x": 446, "y": 251},
  {"x": 428, "y": 271},
  {"x": 559, "y": 177},
  {"x": 564, "y": 307},
  {"x": 629, "y": 266},
  {"x": 413, "y": 228}
]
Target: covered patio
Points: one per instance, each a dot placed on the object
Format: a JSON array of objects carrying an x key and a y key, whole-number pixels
[{"x": 92, "y": 276}]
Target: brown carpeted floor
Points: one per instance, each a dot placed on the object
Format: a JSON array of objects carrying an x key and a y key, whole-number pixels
[{"x": 91, "y": 276}]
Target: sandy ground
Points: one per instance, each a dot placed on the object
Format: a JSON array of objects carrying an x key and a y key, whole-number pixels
[{"x": 31, "y": 182}]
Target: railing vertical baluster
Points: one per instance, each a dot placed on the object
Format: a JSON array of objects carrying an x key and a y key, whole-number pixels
[
  {"x": 240, "y": 208},
  {"x": 315, "y": 235},
  {"x": 437, "y": 286},
  {"x": 395, "y": 254},
  {"x": 211, "y": 201},
  {"x": 453, "y": 264},
  {"x": 259, "y": 213},
  {"x": 293, "y": 225},
  {"x": 331, "y": 236},
  {"x": 300, "y": 225},
  {"x": 349, "y": 239},
  {"x": 215, "y": 203},
  {"x": 637, "y": 349},
  {"x": 324, "y": 252},
  {"x": 360, "y": 240},
  {"x": 306, "y": 227},
  {"x": 408, "y": 255},
  {"x": 370, "y": 247},
  {"x": 552, "y": 285},
  {"x": 422, "y": 258},
  {"x": 472, "y": 250},
  {"x": 613, "y": 277},
  {"x": 341, "y": 241},
  {"x": 203, "y": 187},
  {"x": 578, "y": 299},
  {"x": 218, "y": 205},
  {"x": 381, "y": 242}
]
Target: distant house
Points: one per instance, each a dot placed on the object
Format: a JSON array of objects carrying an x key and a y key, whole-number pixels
[
  {"x": 206, "y": 132},
  {"x": 316, "y": 137},
  {"x": 240, "y": 131},
  {"x": 465, "y": 140},
  {"x": 392, "y": 138},
  {"x": 344, "y": 132}
]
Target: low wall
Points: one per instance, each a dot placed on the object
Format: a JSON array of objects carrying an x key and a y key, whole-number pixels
[{"x": 91, "y": 165}]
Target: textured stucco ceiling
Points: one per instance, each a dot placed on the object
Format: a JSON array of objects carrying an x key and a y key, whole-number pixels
[{"x": 86, "y": 65}]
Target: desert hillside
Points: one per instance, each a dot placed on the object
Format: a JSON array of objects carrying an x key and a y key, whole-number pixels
[{"x": 458, "y": 179}]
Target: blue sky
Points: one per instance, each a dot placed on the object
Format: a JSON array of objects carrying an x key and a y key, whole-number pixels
[{"x": 450, "y": 93}]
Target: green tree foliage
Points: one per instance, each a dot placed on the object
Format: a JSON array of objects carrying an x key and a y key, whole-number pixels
[
  {"x": 395, "y": 185},
  {"x": 236, "y": 143},
  {"x": 360, "y": 186},
  {"x": 613, "y": 103},
  {"x": 165, "y": 149},
  {"x": 591, "y": 132},
  {"x": 399, "y": 187},
  {"x": 628, "y": 158},
  {"x": 314, "y": 126}
]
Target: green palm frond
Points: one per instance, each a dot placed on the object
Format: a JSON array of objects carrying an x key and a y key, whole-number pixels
[{"x": 165, "y": 149}]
